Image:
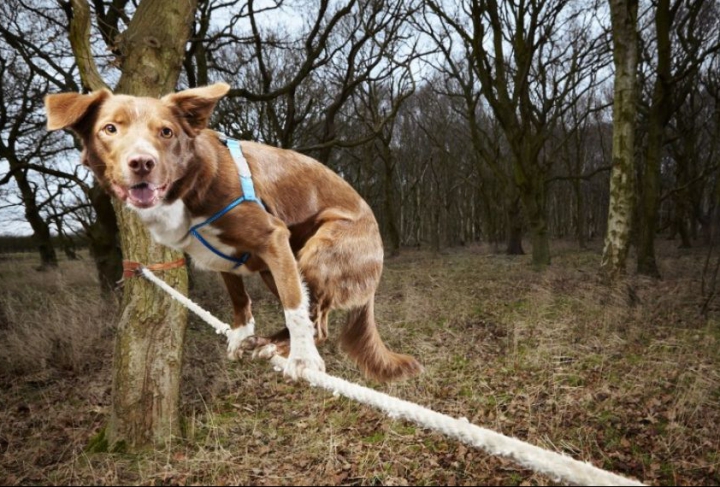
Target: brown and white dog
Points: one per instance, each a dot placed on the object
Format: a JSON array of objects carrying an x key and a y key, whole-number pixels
[{"x": 316, "y": 243}]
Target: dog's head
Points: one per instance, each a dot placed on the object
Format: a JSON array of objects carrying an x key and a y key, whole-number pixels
[{"x": 136, "y": 147}]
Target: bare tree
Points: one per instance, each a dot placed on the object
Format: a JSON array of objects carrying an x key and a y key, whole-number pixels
[
  {"x": 44, "y": 51},
  {"x": 685, "y": 34},
  {"x": 377, "y": 105},
  {"x": 24, "y": 143},
  {"x": 298, "y": 85},
  {"x": 624, "y": 15},
  {"x": 529, "y": 77},
  {"x": 149, "y": 343}
]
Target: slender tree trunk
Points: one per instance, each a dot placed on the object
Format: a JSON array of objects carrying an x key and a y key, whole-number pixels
[
  {"x": 686, "y": 157},
  {"x": 41, "y": 229},
  {"x": 533, "y": 198},
  {"x": 622, "y": 180},
  {"x": 650, "y": 203},
  {"x": 67, "y": 243},
  {"x": 580, "y": 225},
  {"x": 149, "y": 342},
  {"x": 515, "y": 229},
  {"x": 390, "y": 203},
  {"x": 103, "y": 236},
  {"x": 659, "y": 116},
  {"x": 435, "y": 222},
  {"x": 682, "y": 198}
]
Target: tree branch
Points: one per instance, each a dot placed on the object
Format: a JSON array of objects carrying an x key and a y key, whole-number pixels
[{"x": 79, "y": 34}]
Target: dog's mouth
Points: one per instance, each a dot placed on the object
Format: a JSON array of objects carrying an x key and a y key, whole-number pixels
[{"x": 141, "y": 195}]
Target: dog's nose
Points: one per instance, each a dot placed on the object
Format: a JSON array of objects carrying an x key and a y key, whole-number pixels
[{"x": 142, "y": 164}]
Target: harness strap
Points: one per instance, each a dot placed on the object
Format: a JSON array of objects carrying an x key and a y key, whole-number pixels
[
  {"x": 248, "y": 190},
  {"x": 132, "y": 269}
]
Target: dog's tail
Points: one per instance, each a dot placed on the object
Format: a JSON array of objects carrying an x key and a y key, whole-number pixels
[{"x": 361, "y": 341}]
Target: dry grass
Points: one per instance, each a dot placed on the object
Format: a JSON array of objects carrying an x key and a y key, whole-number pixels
[
  {"x": 628, "y": 379},
  {"x": 51, "y": 320}
]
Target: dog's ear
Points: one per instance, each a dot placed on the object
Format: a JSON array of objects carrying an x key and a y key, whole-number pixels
[
  {"x": 196, "y": 105},
  {"x": 69, "y": 110}
]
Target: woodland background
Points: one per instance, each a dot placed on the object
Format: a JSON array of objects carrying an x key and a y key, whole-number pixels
[{"x": 448, "y": 145}]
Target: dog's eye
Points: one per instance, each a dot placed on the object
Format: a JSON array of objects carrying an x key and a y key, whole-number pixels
[
  {"x": 166, "y": 132},
  {"x": 110, "y": 129}
]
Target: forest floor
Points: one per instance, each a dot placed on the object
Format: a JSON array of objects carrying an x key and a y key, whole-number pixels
[{"x": 627, "y": 379}]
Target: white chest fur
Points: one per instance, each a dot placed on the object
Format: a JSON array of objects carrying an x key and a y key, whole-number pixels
[{"x": 170, "y": 225}]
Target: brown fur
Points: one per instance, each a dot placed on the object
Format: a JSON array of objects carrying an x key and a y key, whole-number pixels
[{"x": 316, "y": 229}]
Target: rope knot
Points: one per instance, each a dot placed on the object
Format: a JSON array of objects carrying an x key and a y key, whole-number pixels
[{"x": 134, "y": 269}]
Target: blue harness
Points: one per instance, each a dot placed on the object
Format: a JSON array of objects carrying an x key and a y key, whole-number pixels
[{"x": 248, "y": 195}]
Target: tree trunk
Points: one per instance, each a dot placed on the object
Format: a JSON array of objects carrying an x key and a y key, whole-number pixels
[
  {"x": 625, "y": 52},
  {"x": 533, "y": 198},
  {"x": 682, "y": 197},
  {"x": 149, "y": 342},
  {"x": 529, "y": 180},
  {"x": 390, "y": 202},
  {"x": 659, "y": 116},
  {"x": 41, "y": 229},
  {"x": 580, "y": 226},
  {"x": 67, "y": 243},
  {"x": 650, "y": 203},
  {"x": 148, "y": 348},
  {"x": 41, "y": 235},
  {"x": 103, "y": 240},
  {"x": 515, "y": 230}
]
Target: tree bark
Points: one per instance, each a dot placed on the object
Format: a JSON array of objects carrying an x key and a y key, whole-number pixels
[
  {"x": 41, "y": 228},
  {"x": 79, "y": 34},
  {"x": 659, "y": 116},
  {"x": 683, "y": 202},
  {"x": 103, "y": 240},
  {"x": 622, "y": 181},
  {"x": 149, "y": 342},
  {"x": 530, "y": 182},
  {"x": 148, "y": 348},
  {"x": 515, "y": 229},
  {"x": 390, "y": 201},
  {"x": 533, "y": 199},
  {"x": 580, "y": 225}
]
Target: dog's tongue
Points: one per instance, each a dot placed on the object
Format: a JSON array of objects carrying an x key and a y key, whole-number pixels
[{"x": 143, "y": 193}]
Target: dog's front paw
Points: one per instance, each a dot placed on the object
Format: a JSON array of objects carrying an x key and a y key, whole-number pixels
[
  {"x": 265, "y": 352},
  {"x": 305, "y": 360},
  {"x": 236, "y": 337}
]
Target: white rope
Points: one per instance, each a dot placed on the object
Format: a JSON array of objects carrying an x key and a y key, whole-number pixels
[
  {"x": 555, "y": 465},
  {"x": 220, "y": 327}
]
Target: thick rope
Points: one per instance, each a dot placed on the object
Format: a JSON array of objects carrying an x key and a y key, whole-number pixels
[
  {"x": 220, "y": 327},
  {"x": 557, "y": 466}
]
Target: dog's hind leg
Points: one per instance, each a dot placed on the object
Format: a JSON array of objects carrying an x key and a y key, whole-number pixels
[
  {"x": 342, "y": 264},
  {"x": 243, "y": 321}
]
